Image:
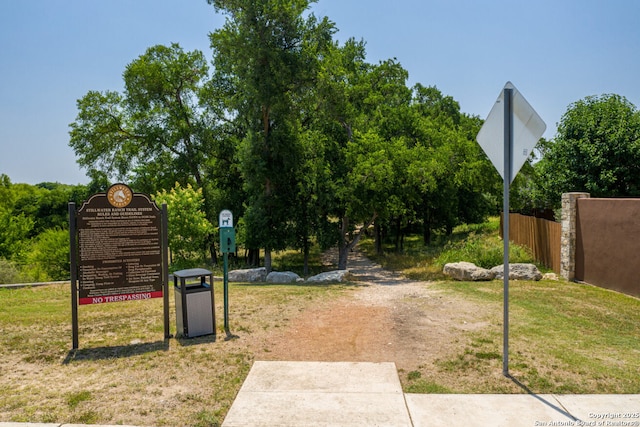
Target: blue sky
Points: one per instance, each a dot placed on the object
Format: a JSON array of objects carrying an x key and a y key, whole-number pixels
[{"x": 554, "y": 51}]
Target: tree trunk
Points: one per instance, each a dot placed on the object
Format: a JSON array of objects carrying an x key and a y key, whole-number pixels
[
  {"x": 306, "y": 257},
  {"x": 377, "y": 229},
  {"x": 253, "y": 258},
  {"x": 426, "y": 234},
  {"x": 345, "y": 246},
  {"x": 343, "y": 252},
  {"x": 267, "y": 260},
  {"x": 213, "y": 253},
  {"x": 398, "y": 233},
  {"x": 426, "y": 224}
]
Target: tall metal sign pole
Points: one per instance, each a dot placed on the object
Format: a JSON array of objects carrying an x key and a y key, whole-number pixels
[
  {"x": 508, "y": 137},
  {"x": 73, "y": 251},
  {"x": 508, "y": 160}
]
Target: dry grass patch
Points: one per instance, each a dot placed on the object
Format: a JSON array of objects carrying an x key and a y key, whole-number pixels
[{"x": 124, "y": 371}]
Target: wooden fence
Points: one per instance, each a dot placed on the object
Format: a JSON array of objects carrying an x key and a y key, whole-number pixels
[{"x": 541, "y": 236}]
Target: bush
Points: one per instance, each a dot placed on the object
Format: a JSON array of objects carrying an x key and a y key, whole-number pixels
[
  {"x": 9, "y": 273},
  {"x": 189, "y": 228},
  {"x": 48, "y": 258},
  {"x": 483, "y": 250}
]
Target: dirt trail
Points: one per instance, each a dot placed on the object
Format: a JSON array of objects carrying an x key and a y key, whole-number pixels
[{"x": 388, "y": 318}]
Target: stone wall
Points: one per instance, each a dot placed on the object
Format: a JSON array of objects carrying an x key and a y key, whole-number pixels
[{"x": 569, "y": 234}]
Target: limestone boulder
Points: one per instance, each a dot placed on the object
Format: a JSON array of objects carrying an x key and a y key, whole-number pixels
[
  {"x": 467, "y": 271},
  {"x": 283, "y": 277},
  {"x": 248, "y": 275},
  {"x": 329, "y": 277},
  {"x": 518, "y": 272}
]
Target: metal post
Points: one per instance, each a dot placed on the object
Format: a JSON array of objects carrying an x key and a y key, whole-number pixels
[
  {"x": 508, "y": 145},
  {"x": 213, "y": 305},
  {"x": 73, "y": 258},
  {"x": 225, "y": 267},
  {"x": 165, "y": 269}
]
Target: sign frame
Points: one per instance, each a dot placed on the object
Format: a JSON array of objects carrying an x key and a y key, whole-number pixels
[{"x": 118, "y": 251}]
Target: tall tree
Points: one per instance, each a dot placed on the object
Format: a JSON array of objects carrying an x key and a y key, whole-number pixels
[
  {"x": 166, "y": 128},
  {"x": 266, "y": 56},
  {"x": 156, "y": 128},
  {"x": 462, "y": 177},
  {"x": 597, "y": 149}
]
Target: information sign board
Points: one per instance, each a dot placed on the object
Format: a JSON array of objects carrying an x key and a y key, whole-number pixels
[{"x": 119, "y": 247}]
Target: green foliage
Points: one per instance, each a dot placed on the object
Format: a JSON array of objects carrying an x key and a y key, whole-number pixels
[
  {"x": 15, "y": 232},
  {"x": 295, "y": 133},
  {"x": 477, "y": 243},
  {"x": 597, "y": 150},
  {"x": 482, "y": 250},
  {"x": 189, "y": 229},
  {"x": 266, "y": 57},
  {"x": 10, "y": 273},
  {"x": 48, "y": 257},
  {"x": 33, "y": 224},
  {"x": 156, "y": 128}
]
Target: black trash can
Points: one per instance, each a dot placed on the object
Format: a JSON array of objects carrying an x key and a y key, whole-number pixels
[{"x": 195, "y": 304}]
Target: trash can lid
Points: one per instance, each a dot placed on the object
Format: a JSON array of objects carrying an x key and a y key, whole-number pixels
[{"x": 191, "y": 272}]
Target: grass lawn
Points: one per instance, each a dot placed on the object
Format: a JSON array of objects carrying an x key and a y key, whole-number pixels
[{"x": 564, "y": 337}]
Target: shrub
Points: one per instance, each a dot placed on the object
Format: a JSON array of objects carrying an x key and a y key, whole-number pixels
[
  {"x": 189, "y": 228},
  {"x": 9, "y": 272},
  {"x": 483, "y": 250},
  {"x": 48, "y": 258}
]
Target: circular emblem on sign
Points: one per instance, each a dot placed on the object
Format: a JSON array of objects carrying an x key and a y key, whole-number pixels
[{"x": 119, "y": 195}]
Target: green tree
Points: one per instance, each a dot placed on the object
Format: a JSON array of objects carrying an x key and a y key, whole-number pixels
[
  {"x": 155, "y": 128},
  {"x": 16, "y": 230},
  {"x": 456, "y": 176},
  {"x": 189, "y": 230},
  {"x": 596, "y": 149},
  {"x": 363, "y": 111},
  {"x": 168, "y": 126},
  {"x": 266, "y": 57},
  {"x": 16, "y": 225}
]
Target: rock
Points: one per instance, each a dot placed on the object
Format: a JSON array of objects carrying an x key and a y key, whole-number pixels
[
  {"x": 248, "y": 275},
  {"x": 283, "y": 277},
  {"x": 550, "y": 276},
  {"x": 467, "y": 271},
  {"x": 329, "y": 277},
  {"x": 518, "y": 272}
]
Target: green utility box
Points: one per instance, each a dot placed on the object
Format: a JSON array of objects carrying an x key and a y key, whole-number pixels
[{"x": 227, "y": 240}]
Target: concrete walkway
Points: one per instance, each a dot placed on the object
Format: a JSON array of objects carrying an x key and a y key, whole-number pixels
[
  {"x": 369, "y": 394},
  {"x": 344, "y": 394}
]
